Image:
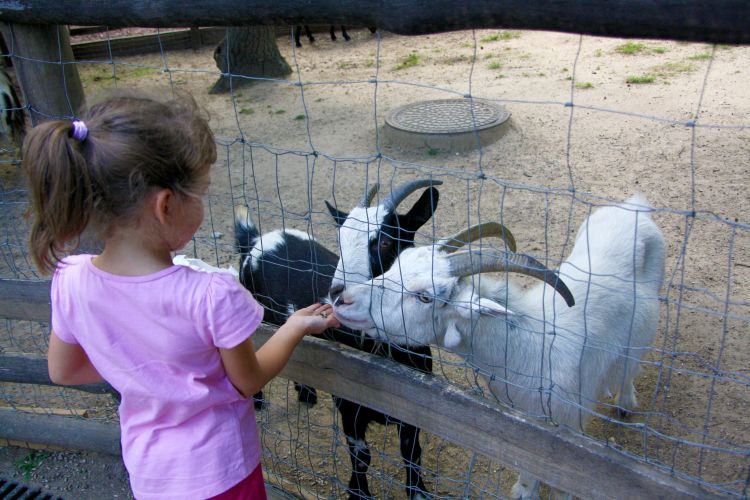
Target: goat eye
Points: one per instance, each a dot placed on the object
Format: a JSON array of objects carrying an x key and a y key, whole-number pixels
[
  {"x": 385, "y": 243},
  {"x": 425, "y": 299}
]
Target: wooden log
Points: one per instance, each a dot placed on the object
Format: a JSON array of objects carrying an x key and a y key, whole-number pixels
[
  {"x": 715, "y": 21},
  {"x": 45, "y": 410},
  {"x": 63, "y": 432},
  {"x": 29, "y": 369},
  {"x": 24, "y": 300},
  {"x": 51, "y": 89},
  {"x": 144, "y": 44}
]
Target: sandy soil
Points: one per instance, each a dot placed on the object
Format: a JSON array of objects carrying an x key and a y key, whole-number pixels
[{"x": 541, "y": 178}]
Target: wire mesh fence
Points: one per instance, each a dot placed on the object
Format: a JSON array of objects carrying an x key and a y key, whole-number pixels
[{"x": 593, "y": 121}]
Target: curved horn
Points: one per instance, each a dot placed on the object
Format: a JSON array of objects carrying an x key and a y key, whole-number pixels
[
  {"x": 365, "y": 202},
  {"x": 469, "y": 262},
  {"x": 401, "y": 192},
  {"x": 485, "y": 229}
]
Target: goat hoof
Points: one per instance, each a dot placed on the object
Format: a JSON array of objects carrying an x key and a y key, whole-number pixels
[
  {"x": 307, "y": 397},
  {"x": 359, "y": 495},
  {"x": 306, "y": 394},
  {"x": 419, "y": 495},
  {"x": 259, "y": 403},
  {"x": 623, "y": 414}
]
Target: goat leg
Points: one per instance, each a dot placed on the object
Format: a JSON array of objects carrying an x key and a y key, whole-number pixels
[{"x": 411, "y": 451}]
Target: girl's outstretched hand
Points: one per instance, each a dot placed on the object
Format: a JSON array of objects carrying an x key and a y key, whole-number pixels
[{"x": 314, "y": 319}]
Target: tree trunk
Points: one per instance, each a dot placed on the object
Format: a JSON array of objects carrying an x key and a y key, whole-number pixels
[{"x": 248, "y": 51}]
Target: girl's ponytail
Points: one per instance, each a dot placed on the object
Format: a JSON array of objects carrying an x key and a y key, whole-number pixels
[{"x": 60, "y": 188}]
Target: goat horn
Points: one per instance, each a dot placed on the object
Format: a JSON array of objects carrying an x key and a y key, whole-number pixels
[
  {"x": 370, "y": 195},
  {"x": 470, "y": 262},
  {"x": 401, "y": 192},
  {"x": 485, "y": 229}
]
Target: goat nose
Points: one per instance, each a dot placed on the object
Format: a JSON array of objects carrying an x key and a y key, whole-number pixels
[{"x": 335, "y": 291}]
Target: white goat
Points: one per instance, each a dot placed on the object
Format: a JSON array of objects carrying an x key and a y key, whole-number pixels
[{"x": 538, "y": 354}]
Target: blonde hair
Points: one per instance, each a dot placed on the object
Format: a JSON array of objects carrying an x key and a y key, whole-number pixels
[{"x": 135, "y": 143}]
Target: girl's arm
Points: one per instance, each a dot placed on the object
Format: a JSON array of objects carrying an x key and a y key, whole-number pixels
[
  {"x": 68, "y": 364},
  {"x": 249, "y": 371}
]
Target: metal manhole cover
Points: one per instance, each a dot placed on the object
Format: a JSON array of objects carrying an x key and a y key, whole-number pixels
[{"x": 452, "y": 124}]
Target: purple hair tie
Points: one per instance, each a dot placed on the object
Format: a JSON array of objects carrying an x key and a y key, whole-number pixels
[{"x": 80, "y": 131}]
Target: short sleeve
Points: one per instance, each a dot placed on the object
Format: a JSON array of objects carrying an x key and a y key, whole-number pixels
[
  {"x": 62, "y": 308},
  {"x": 232, "y": 314}
]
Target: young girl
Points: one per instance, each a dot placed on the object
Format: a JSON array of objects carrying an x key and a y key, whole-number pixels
[{"x": 175, "y": 343}]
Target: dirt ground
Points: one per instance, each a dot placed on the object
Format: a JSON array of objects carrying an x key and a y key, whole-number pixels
[{"x": 593, "y": 121}]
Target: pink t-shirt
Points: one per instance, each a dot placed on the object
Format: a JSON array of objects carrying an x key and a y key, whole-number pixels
[{"x": 186, "y": 431}]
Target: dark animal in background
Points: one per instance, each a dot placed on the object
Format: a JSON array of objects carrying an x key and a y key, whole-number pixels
[
  {"x": 311, "y": 38},
  {"x": 12, "y": 117},
  {"x": 286, "y": 269}
]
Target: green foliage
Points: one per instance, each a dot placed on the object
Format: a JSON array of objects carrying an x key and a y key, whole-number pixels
[
  {"x": 584, "y": 85},
  {"x": 409, "y": 61},
  {"x": 30, "y": 462},
  {"x": 300, "y": 117},
  {"x": 637, "y": 80},
  {"x": 503, "y": 35},
  {"x": 631, "y": 48}
]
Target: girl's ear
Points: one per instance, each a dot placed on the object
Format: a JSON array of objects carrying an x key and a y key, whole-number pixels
[{"x": 162, "y": 205}]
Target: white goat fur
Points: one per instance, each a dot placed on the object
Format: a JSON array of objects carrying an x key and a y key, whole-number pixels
[
  {"x": 359, "y": 228},
  {"x": 268, "y": 243},
  {"x": 524, "y": 340}
]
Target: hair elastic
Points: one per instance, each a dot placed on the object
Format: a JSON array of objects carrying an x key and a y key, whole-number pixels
[{"x": 80, "y": 131}]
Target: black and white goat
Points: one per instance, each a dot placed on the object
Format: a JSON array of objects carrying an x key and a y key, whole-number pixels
[
  {"x": 539, "y": 352},
  {"x": 286, "y": 269}
]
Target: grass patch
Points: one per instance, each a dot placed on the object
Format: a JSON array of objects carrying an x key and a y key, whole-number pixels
[
  {"x": 461, "y": 58},
  {"x": 705, "y": 56},
  {"x": 672, "y": 69},
  {"x": 494, "y": 65},
  {"x": 630, "y": 48},
  {"x": 247, "y": 111},
  {"x": 279, "y": 112},
  {"x": 502, "y": 36},
  {"x": 641, "y": 79},
  {"x": 584, "y": 85},
  {"x": 105, "y": 75},
  {"x": 30, "y": 463},
  {"x": 633, "y": 48},
  {"x": 299, "y": 117},
  {"x": 409, "y": 61}
]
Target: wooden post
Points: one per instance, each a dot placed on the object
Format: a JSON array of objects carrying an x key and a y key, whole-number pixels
[{"x": 50, "y": 88}]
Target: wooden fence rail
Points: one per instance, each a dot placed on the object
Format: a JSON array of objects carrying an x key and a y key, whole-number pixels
[
  {"x": 559, "y": 457},
  {"x": 715, "y": 21}
]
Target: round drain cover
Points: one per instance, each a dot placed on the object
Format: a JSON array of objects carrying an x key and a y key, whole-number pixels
[{"x": 446, "y": 124}]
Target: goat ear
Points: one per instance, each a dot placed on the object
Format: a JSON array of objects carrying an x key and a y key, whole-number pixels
[
  {"x": 337, "y": 214},
  {"x": 421, "y": 211},
  {"x": 490, "y": 308},
  {"x": 452, "y": 337}
]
